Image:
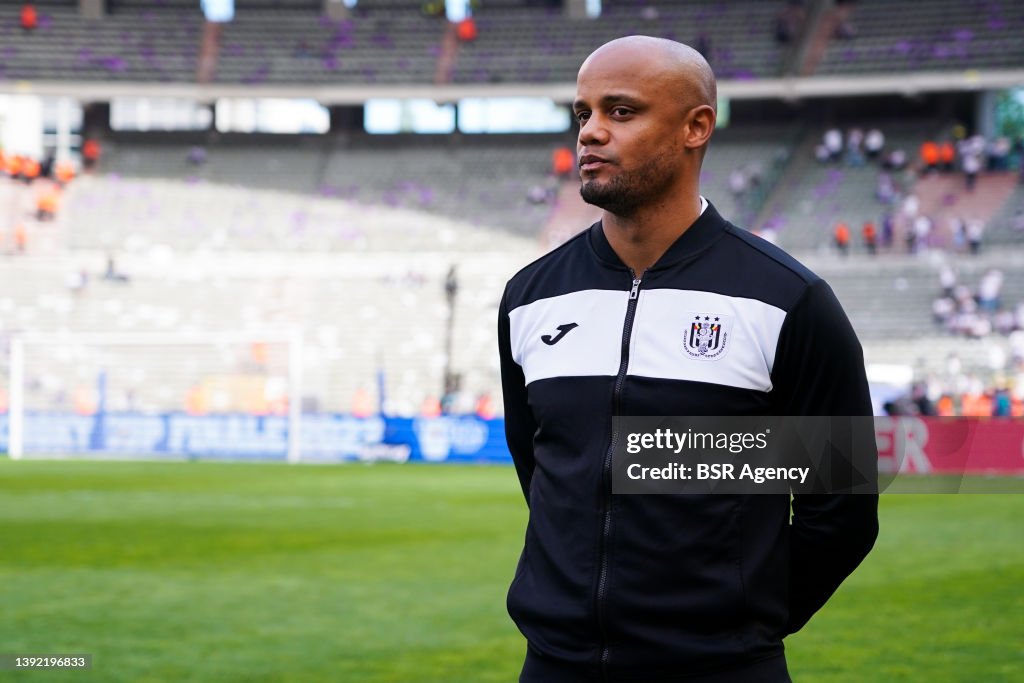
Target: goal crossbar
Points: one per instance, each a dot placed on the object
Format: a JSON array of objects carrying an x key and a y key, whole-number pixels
[{"x": 19, "y": 343}]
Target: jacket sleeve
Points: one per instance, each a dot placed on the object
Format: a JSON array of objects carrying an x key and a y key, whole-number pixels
[
  {"x": 520, "y": 425},
  {"x": 819, "y": 371}
]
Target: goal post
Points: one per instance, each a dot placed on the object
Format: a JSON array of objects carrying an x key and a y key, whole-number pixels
[{"x": 84, "y": 382}]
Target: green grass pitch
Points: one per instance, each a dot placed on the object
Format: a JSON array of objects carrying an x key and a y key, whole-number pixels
[{"x": 370, "y": 574}]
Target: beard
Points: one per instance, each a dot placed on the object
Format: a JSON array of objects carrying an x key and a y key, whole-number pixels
[{"x": 631, "y": 190}]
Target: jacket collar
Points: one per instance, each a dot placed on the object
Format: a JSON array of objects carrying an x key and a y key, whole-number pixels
[{"x": 704, "y": 232}]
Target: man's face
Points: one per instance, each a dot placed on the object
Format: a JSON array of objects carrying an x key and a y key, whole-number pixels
[{"x": 631, "y": 116}]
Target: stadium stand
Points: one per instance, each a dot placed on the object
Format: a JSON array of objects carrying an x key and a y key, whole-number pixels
[
  {"x": 521, "y": 44},
  {"x": 486, "y": 183},
  {"x": 813, "y": 196},
  {"x": 136, "y": 42},
  {"x": 927, "y": 36},
  {"x": 381, "y": 312},
  {"x": 382, "y": 42},
  {"x": 348, "y": 236},
  {"x": 1007, "y": 226},
  {"x": 118, "y": 214},
  {"x": 385, "y": 42}
]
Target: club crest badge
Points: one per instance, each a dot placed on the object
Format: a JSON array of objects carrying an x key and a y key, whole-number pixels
[{"x": 707, "y": 336}]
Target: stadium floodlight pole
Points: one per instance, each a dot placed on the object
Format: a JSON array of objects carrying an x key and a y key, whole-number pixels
[
  {"x": 295, "y": 396},
  {"x": 15, "y": 411},
  {"x": 451, "y": 289}
]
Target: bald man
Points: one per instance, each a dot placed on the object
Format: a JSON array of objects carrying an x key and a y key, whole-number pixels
[{"x": 664, "y": 308}]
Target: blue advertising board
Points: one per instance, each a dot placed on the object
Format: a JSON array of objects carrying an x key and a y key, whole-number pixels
[{"x": 324, "y": 437}]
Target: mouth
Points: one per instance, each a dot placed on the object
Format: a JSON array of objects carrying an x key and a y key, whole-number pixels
[{"x": 592, "y": 162}]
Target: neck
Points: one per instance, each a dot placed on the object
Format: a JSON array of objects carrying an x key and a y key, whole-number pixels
[{"x": 643, "y": 237}]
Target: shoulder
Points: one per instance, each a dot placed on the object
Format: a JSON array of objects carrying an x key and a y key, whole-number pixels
[
  {"x": 744, "y": 265},
  {"x": 567, "y": 268},
  {"x": 770, "y": 257}
]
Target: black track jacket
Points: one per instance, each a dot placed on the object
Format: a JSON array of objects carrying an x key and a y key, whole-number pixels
[{"x": 663, "y": 587}]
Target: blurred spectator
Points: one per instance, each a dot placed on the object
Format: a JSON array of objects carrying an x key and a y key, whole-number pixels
[
  {"x": 854, "y": 153},
  {"x": 971, "y": 164},
  {"x": 485, "y": 407},
  {"x": 945, "y": 406},
  {"x": 919, "y": 396},
  {"x": 870, "y": 237},
  {"x": 911, "y": 205},
  {"x": 929, "y": 156},
  {"x": 1001, "y": 404},
  {"x": 788, "y": 22},
  {"x": 958, "y": 229},
  {"x": 111, "y": 274},
  {"x": 703, "y": 45},
  {"x": 46, "y": 166},
  {"x": 196, "y": 401},
  {"x": 563, "y": 162},
  {"x": 922, "y": 231},
  {"x": 845, "y": 30},
  {"x": 999, "y": 154},
  {"x": 1020, "y": 160},
  {"x": 362, "y": 403},
  {"x": 895, "y": 160},
  {"x": 947, "y": 156},
  {"x": 947, "y": 279},
  {"x": 833, "y": 141},
  {"x": 20, "y": 238},
  {"x": 975, "y": 230},
  {"x": 14, "y": 166},
  {"x": 943, "y": 309},
  {"x": 29, "y": 17},
  {"x": 989, "y": 289},
  {"x": 91, "y": 153},
  {"x": 842, "y": 238},
  {"x": 874, "y": 141},
  {"x": 886, "y": 191},
  {"x": 196, "y": 155},
  {"x": 431, "y": 407},
  {"x": 1004, "y": 322},
  {"x": 64, "y": 172},
  {"x": 47, "y": 203},
  {"x": 31, "y": 170},
  {"x": 737, "y": 182},
  {"x": 466, "y": 30},
  {"x": 537, "y": 194},
  {"x": 900, "y": 407},
  {"x": 1017, "y": 222},
  {"x": 77, "y": 282},
  {"x": 976, "y": 403},
  {"x": 887, "y": 230}
]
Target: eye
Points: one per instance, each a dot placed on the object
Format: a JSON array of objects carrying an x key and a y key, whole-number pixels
[
  {"x": 582, "y": 116},
  {"x": 621, "y": 112}
]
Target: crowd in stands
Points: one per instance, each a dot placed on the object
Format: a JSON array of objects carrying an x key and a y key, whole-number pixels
[
  {"x": 46, "y": 179},
  {"x": 897, "y": 175},
  {"x": 977, "y": 312},
  {"x": 974, "y": 313},
  {"x": 929, "y": 398}
]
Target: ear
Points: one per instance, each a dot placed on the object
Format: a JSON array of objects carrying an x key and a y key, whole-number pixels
[{"x": 700, "y": 124}]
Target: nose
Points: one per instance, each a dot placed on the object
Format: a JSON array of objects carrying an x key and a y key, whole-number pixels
[{"x": 593, "y": 132}]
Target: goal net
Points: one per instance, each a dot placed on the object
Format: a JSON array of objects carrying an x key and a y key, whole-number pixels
[{"x": 150, "y": 395}]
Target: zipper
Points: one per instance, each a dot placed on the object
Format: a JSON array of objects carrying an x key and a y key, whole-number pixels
[{"x": 606, "y": 474}]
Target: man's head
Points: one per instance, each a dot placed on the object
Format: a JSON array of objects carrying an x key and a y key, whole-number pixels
[{"x": 646, "y": 110}]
